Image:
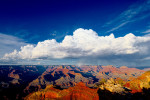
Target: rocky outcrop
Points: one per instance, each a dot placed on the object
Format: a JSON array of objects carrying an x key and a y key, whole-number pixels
[
  {"x": 13, "y": 75},
  {"x": 112, "y": 86},
  {"x": 137, "y": 84},
  {"x": 78, "y": 92}
]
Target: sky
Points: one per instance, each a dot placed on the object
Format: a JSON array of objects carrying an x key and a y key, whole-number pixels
[{"x": 75, "y": 32}]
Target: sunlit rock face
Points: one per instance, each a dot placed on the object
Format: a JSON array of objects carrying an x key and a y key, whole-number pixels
[
  {"x": 78, "y": 92},
  {"x": 112, "y": 86},
  {"x": 137, "y": 84}
]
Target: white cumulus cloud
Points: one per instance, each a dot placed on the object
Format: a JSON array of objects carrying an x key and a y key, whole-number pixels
[
  {"x": 85, "y": 43},
  {"x": 8, "y": 43}
]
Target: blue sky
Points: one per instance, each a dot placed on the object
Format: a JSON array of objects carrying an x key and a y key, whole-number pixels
[{"x": 26, "y": 22}]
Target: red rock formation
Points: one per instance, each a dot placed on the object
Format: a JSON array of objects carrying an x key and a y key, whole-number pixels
[
  {"x": 12, "y": 75},
  {"x": 79, "y": 92},
  {"x": 137, "y": 84}
]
